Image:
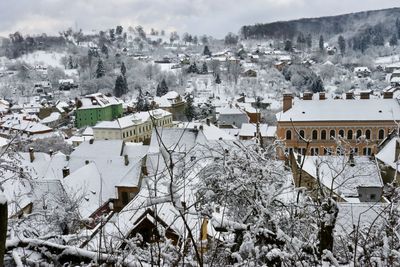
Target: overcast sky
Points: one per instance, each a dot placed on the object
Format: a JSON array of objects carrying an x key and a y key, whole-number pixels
[{"x": 213, "y": 17}]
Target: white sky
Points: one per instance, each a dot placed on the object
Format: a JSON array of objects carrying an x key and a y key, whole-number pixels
[{"x": 212, "y": 17}]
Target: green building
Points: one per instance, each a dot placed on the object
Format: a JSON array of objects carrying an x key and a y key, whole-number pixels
[{"x": 97, "y": 107}]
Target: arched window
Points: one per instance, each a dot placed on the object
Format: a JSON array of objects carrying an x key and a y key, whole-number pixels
[
  {"x": 288, "y": 135},
  {"x": 350, "y": 134},
  {"x": 341, "y": 133},
  {"x": 368, "y": 134},
  {"x": 323, "y": 135},
  {"x": 359, "y": 133},
  {"x": 301, "y": 132},
  {"x": 332, "y": 134},
  {"x": 381, "y": 134},
  {"x": 315, "y": 134}
]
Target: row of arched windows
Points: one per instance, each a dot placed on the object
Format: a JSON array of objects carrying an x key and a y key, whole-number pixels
[{"x": 332, "y": 134}]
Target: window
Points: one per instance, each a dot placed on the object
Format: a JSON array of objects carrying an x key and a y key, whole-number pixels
[
  {"x": 349, "y": 134},
  {"x": 301, "y": 132},
  {"x": 367, "y": 151},
  {"x": 373, "y": 197},
  {"x": 332, "y": 134},
  {"x": 125, "y": 198},
  {"x": 323, "y": 135},
  {"x": 288, "y": 135},
  {"x": 301, "y": 151},
  {"x": 341, "y": 133},
  {"x": 381, "y": 134},
  {"x": 354, "y": 150},
  {"x": 327, "y": 151},
  {"x": 315, "y": 135},
  {"x": 314, "y": 151},
  {"x": 368, "y": 134},
  {"x": 359, "y": 133},
  {"x": 339, "y": 151}
]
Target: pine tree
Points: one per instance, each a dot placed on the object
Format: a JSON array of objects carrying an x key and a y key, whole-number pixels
[
  {"x": 398, "y": 27},
  {"x": 321, "y": 43},
  {"x": 123, "y": 69},
  {"x": 309, "y": 40},
  {"x": 119, "y": 86},
  {"x": 217, "y": 79},
  {"x": 204, "y": 68},
  {"x": 100, "y": 71},
  {"x": 70, "y": 63},
  {"x": 104, "y": 50},
  {"x": 140, "y": 105},
  {"x": 162, "y": 88},
  {"x": 393, "y": 40},
  {"x": 206, "y": 51},
  {"x": 342, "y": 44},
  {"x": 288, "y": 45},
  {"x": 189, "y": 108}
]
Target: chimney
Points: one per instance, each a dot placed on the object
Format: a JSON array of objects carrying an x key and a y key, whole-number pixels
[
  {"x": 307, "y": 96},
  {"x": 397, "y": 151},
  {"x": 208, "y": 121},
  {"x": 65, "y": 171},
  {"x": 364, "y": 95},
  {"x": 322, "y": 96},
  {"x": 31, "y": 154},
  {"x": 67, "y": 157},
  {"x": 91, "y": 141},
  {"x": 86, "y": 162},
  {"x": 349, "y": 95},
  {"x": 201, "y": 127},
  {"x": 126, "y": 160},
  {"x": 287, "y": 102},
  {"x": 387, "y": 95},
  {"x": 51, "y": 152}
]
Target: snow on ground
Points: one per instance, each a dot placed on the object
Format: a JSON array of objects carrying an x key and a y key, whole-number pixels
[{"x": 42, "y": 57}]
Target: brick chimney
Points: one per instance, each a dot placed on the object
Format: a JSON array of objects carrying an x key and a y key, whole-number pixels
[
  {"x": 349, "y": 95},
  {"x": 51, "y": 152},
  {"x": 322, "y": 96},
  {"x": 126, "y": 160},
  {"x": 287, "y": 102},
  {"x": 387, "y": 95},
  {"x": 364, "y": 95},
  {"x": 31, "y": 154},
  {"x": 307, "y": 96}
]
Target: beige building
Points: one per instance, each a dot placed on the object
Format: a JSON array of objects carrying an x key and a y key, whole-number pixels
[
  {"x": 133, "y": 128},
  {"x": 336, "y": 126}
]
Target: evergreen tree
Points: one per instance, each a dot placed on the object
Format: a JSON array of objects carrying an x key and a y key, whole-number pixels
[
  {"x": 206, "y": 51},
  {"x": 140, "y": 105},
  {"x": 204, "y": 68},
  {"x": 100, "y": 71},
  {"x": 393, "y": 40},
  {"x": 321, "y": 43},
  {"x": 398, "y": 27},
  {"x": 70, "y": 63},
  {"x": 288, "y": 45},
  {"x": 342, "y": 44},
  {"x": 104, "y": 50},
  {"x": 193, "y": 68},
  {"x": 118, "y": 30},
  {"x": 317, "y": 85},
  {"x": 112, "y": 35},
  {"x": 217, "y": 79},
  {"x": 189, "y": 108},
  {"x": 309, "y": 40},
  {"x": 162, "y": 88},
  {"x": 123, "y": 69},
  {"x": 119, "y": 88}
]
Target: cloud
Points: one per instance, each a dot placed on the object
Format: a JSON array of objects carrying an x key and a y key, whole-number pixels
[{"x": 215, "y": 17}]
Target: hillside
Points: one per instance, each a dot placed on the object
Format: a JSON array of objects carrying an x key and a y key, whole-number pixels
[{"x": 349, "y": 25}]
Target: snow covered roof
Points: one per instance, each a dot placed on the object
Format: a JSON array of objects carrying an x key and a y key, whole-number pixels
[
  {"x": 54, "y": 116},
  {"x": 361, "y": 69},
  {"x": 98, "y": 100},
  {"x": 337, "y": 171},
  {"x": 26, "y": 126},
  {"x": 250, "y": 129},
  {"x": 342, "y": 110},
  {"x": 388, "y": 154},
  {"x": 211, "y": 132}
]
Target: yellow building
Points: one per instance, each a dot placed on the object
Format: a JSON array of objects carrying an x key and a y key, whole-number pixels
[
  {"x": 133, "y": 128},
  {"x": 336, "y": 126}
]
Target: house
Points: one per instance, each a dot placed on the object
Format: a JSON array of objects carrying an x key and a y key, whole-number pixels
[
  {"x": 250, "y": 73},
  {"x": 230, "y": 116},
  {"x": 30, "y": 129},
  {"x": 248, "y": 131},
  {"x": 41, "y": 87},
  {"x": 331, "y": 50},
  {"x": 350, "y": 178},
  {"x": 97, "y": 107},
  {"x": 171, "y": 102},
  {"x": 360, "y": 123},
  {"x": 133, "y": 128},
  {"x": 362, "y": 72},
  {"x": 389, "y": 158}
]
